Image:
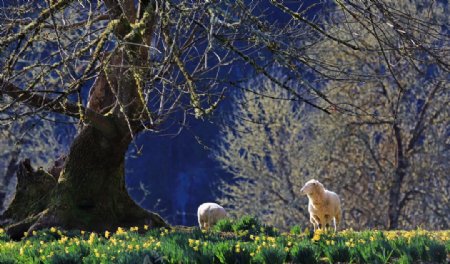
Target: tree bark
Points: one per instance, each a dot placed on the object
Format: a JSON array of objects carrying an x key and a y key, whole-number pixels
[
  {"x": 399, "y": 175},
  {"x": 90, "y": 193},
  {"x": 10, "y": 172}
]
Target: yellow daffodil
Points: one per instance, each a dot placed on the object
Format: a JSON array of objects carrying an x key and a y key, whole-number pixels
[
  {"x": 63, "y": 239},
  {"x": 120, "y": 231},
  {"x": 91, "y": 238}
]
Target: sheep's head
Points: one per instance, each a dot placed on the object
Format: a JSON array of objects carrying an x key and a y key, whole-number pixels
[{"x": 312, "y": 187}]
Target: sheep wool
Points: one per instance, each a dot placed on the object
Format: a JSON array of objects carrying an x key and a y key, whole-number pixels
[
  {"x": 209, "y": 214},
  {"x": 324, "y": 206}
]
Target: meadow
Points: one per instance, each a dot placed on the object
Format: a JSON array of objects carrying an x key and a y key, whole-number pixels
[{"x": 245, "y": 240}]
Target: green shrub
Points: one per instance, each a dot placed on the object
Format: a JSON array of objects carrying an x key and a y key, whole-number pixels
[
  {"x": 417, "y": 251},
  {"x": 404, "y": 259},
  {"x": 139, "y": 258},
  {"x": 224, "y": 225},
  {"x": 269, "y": 230},
  {"x": 3, "y": 236},
  {"x": 224, "y": 252},
  {"x": 232, "y": 252},
  {"x": 62, "y": 258},
  {"x": 337, "y": 253},
  {"x": 296, "y": 230},
  {"x": 7, "y": 258},
  {"x": 367, "y": 253},
  {"x": 270, "y": 255},
  {"x": 400, "y": 247},
  {"x": 247, "y": 223},
  {"x": 420, "y": 243},
  {"x": 436, "y": 252},
  {"x": 176, "y": 249},
  {"x": 303, "y": 252},
  {"x": 250, "y": 242}
]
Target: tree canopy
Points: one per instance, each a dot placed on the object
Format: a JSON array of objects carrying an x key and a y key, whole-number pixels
[
  {"x": 383, "y": 147},
  {"x": 120, "y": 67}
]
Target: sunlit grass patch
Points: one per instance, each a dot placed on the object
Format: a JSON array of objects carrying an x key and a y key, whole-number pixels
[{"x": 243, "y": 241}]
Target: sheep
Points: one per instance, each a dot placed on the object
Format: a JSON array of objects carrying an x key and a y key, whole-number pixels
[
  {"x": 323, "y": 206},
  {"x": 209, "y": 214}
]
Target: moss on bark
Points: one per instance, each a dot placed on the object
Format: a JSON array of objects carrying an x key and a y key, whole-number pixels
[{"x": 90, "y": 193}]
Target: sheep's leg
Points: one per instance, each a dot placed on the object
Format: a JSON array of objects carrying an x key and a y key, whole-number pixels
[
  {"x": 337, "y": 221},
  {"x": 327, "y": 222},
  {"x": 323, "y": 223},
  {"x": 313, "y": 221},
  {"x": 317, "y": 221},
  {"x": 202, "y": 224}
]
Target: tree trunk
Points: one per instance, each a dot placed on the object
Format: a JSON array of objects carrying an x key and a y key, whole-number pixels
[
  {"x": 10, "y": 172},
  {"x": 399, "y": 174},
  {"x": 90, "y": 193},
  {"x": 394, "y": 197}
]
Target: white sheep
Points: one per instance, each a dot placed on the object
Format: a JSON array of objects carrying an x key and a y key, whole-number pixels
[
  {"x": 209, "y": 214},
  {"x": 324, "y": 205}
]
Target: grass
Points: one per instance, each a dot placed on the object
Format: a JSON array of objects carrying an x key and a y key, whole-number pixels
[{"x": 242, "y": 241}]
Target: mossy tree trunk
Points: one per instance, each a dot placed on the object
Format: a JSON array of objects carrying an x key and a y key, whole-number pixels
[{"x": 90, "y": 193}]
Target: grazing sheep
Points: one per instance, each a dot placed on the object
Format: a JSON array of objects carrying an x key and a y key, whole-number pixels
[
  {"x": 324, "y": 205},
  {"x": 209, "y": 214}
]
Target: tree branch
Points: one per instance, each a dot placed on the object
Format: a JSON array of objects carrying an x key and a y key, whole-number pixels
[
  {"x": 36, "y": 23},
  {"x": 56, "y": 105},
  {"x": 33, "y": 100},
  {"x": 419, "y": 127},
  {"x": 409, "y": 196},
  {"x": 299, "y": 17}
]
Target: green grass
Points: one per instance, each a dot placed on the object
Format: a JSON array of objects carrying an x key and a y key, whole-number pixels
[{"x": 242, "y": 241}]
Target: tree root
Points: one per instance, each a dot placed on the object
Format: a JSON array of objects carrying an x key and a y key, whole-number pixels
[{"x": 38, "y": 204}]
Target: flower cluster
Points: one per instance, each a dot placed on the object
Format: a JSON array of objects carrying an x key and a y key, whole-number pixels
[{"x": 190, "y": 245}]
